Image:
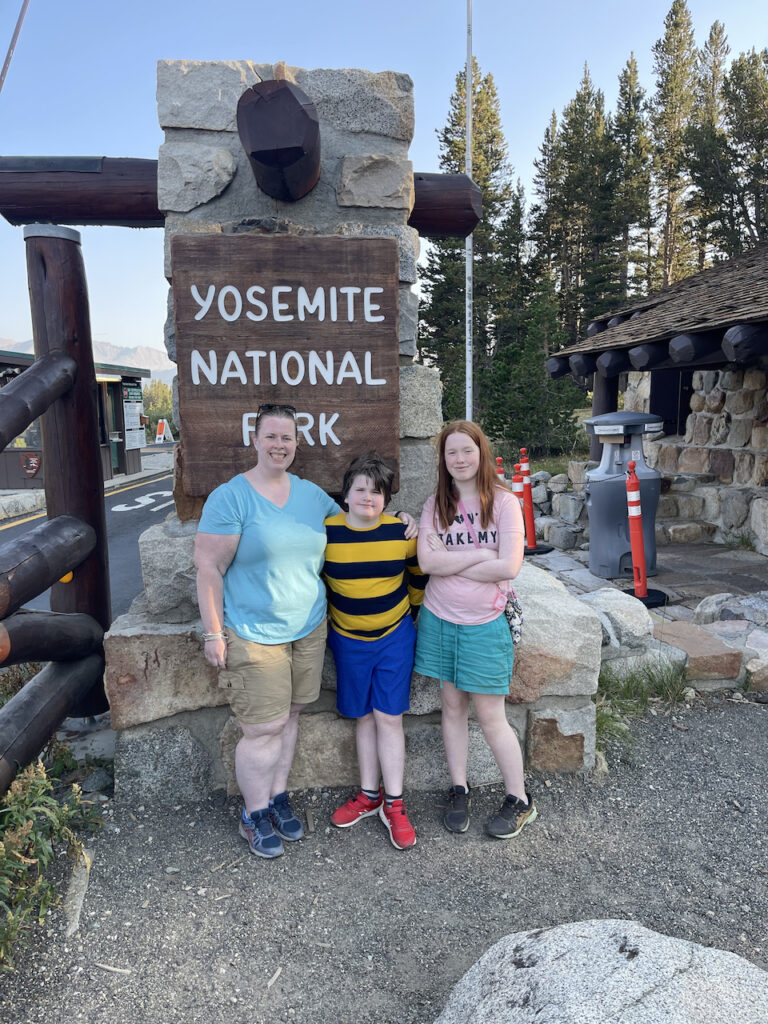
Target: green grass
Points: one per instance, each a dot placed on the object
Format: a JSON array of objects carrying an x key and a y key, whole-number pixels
[
  {"x": 622, "y": 697},
  {"x": 741, "y": 540}
]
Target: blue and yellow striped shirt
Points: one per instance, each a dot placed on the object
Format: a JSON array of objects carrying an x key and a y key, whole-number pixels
[{"x": 373, "y": 577}]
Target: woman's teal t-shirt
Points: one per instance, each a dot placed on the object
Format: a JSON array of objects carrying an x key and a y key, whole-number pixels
[{"x": 273, "y": 593}]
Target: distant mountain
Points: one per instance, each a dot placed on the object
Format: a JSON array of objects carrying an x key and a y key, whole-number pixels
[{"x": 141, "y": 357}]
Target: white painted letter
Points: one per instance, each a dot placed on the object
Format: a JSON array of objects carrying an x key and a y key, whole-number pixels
[
  {"x": 369, "y": 379},
  {"x": 198, "y": 363},
  {"x": 255, "y": 355},
  {"x": 204, "y": 304},
  {"x": 317, "y": 305},
  {"x": 261, "y": 306},
  {"x": 369, "y": 307},
  {"x": 350, "y": 291},
  {"x": 293, "y": 381},
  {"x": 228, "y": 289},
  {"x": 332, "y": 304},
  {"x": 233, "y": 368},
  {"x": 249, "y": 425},
  {"x": 326, "y": 429},
  {"x": 273, "y": 367},
  {"x": 317, "y": 366},
  {"x": 349, "y": 368},
  {"x": 277, "y": 305},
  {"x": 304, "y": 423}
]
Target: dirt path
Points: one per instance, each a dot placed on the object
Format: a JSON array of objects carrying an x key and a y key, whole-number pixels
[{"x": 180, "y": 923}]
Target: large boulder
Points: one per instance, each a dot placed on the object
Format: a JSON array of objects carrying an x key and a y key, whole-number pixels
[
  {"x": 560, "y": 651},
  {"x": 602, "y": 971}
]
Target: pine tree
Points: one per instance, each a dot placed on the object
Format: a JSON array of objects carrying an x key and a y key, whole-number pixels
[
  {"x": 529, "y": 409},
  {"x": 674, "y": 65},
  {"x": 631, "y": 209},
  {"x": 709, "y": 160},
  {"x": 442, "y": 314},
  {"x": 745, "y": 92}
]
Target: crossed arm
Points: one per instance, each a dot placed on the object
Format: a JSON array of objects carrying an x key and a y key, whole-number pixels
[{"x": 483, "y": 565}]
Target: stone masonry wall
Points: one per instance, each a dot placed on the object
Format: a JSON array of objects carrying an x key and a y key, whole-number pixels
[{"x": 716, "y": 474}]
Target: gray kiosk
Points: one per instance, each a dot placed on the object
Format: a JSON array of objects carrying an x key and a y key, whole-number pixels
[{"x": 610, "y": 552}]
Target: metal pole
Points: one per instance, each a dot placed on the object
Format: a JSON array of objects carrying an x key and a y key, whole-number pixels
[
  {"x": 468, "y": 244},
  {"x": 14, "y": 40}
]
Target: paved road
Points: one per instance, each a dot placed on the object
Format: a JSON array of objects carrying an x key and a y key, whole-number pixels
[{"x": 130, "y": 511}]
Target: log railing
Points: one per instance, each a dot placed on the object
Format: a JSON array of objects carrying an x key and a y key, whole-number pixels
[{"x": 68, "y": 553}]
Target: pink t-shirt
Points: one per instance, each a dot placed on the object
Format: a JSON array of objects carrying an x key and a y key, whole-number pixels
[{"x": 456, "y": 598}]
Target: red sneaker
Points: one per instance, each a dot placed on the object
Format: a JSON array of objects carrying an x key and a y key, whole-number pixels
[
  {"x": 360, "y": 806},
  {"x": 401, "y": 831}
]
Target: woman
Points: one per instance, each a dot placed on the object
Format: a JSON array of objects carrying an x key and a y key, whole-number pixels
[
  {"x": 470, "y": 544},
  {"x": 259, "y": 552}
]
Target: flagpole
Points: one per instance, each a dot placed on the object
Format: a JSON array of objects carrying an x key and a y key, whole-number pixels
[
  {"x": 468, "y": 243},
  {"x": 14, "y": 40}
]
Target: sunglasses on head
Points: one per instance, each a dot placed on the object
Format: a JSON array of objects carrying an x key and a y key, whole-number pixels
[{"x": 272, "y": 409}]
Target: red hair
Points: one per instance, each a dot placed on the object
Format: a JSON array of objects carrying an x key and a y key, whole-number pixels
[{"x": 488, "y": 480}]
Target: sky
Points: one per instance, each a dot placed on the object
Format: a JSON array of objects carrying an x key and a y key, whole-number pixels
[{"x": 82, "y": 83}]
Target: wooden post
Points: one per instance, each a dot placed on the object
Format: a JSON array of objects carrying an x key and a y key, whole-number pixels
[
  {"x": 30, "y": 394},
  {"x": 29, "y": 718},
  {"x": 35, "y": 561},
  {"x": 48, "y": 636},
  {"x": 605, "y": 398},
  {"x": 73, "y": 480}
]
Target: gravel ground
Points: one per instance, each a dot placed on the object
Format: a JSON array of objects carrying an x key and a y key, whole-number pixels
[{"x": 180, "y": 923}]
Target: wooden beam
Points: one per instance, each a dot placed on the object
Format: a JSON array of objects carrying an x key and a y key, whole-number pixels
[
  {"x": 445, "y": 205},
  {"x": 613, "y": 362},
  {"x": 31, "y": 563},
  {"x": 26, "y": 397},
  {"x": 690, "y": 348},
  {"x": 646, "y": 356},
  {"x": 745, "y": 343},
  {"x": 557, "y": 366},
  {"x": 100, "y": 190},
  {"x": 280, "y": 132},
  {"x": 80, "y": 190},
  {"x": 605, "y": 398},
  {"x": 30, "y": 718},
  {"x": 48, "y": 636},
  {"x": 582, "y": 364}
]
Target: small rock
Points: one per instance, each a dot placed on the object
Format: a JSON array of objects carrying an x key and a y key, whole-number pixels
[
  {"x": 98, "y": 780},
  {"x": 689, "y": 694},
  {"x": 172, "y": 871}
]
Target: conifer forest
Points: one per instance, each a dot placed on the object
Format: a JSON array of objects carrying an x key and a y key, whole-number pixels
[{"x": 624, "y": 202}]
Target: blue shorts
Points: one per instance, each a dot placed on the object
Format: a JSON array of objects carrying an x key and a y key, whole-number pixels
[
  {"x": 477, "y": 659},
  {"x": 374, "y": 675}
]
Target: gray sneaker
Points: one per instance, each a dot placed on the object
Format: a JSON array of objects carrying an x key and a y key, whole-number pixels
[
  {"x": 258, "y": 832},
  {"x": 512, "y": 816},
  {"x": 456, "y": 817}
]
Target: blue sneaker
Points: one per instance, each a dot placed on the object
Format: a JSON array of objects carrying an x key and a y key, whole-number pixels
[
  {"x": 284, "y": 820},
  {"x": 257, "y": 830}
]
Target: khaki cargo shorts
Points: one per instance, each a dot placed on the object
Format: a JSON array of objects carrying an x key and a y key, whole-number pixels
[{"x": 263, "y": 680}]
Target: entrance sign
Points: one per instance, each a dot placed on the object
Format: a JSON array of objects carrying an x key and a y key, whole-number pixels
[
  {"x": 300, "y": 321},
  {"x": 133, "y": 411}
]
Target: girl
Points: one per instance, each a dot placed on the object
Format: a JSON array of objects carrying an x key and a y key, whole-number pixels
[{"x": 471, "y": 543}]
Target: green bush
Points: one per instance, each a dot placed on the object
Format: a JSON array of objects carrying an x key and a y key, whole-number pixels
[
  {"x": 620, "y": 697},
  {"x": 33, "y": 824}
]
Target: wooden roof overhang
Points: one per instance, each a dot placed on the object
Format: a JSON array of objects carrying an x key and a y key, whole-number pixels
[{"x": 716, "y": 317}]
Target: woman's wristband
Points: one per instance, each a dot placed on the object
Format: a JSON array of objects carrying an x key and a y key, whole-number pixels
[{"x": 214, "y": 636}]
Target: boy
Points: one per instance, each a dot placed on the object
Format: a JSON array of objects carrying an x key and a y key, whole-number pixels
[{"x": 373, "y": 582}]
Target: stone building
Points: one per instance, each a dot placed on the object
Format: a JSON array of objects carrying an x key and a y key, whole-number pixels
[{"x": 695, "y": 354}]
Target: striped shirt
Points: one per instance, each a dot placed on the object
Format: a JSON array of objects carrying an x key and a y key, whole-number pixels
[{"x": 373, "y": 577}]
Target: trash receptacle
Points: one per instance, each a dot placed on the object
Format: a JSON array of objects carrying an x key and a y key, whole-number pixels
[{"x": 610, "y": 551}]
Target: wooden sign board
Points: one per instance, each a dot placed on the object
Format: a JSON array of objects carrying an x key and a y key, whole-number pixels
[{"x": 304, "y": 321}]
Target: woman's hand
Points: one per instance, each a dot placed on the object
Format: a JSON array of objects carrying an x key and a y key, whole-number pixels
[
  {"x": 215, "y": 652},
  {"x": 411, "y": 526}
]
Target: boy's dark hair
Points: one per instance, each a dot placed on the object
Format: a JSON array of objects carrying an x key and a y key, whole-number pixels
[{"x": 372, "y": 466}]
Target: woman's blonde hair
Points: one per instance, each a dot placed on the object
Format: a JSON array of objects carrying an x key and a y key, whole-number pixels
[{"x": 488, "y": 480}]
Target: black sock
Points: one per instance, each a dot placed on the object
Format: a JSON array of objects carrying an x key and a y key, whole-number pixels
[
  {"x": 391, "y": 799},
  {"x": 372, "y": 794}
]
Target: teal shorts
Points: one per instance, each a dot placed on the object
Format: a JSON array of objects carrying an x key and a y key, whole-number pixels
[{"x": 478, "y": 659}]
